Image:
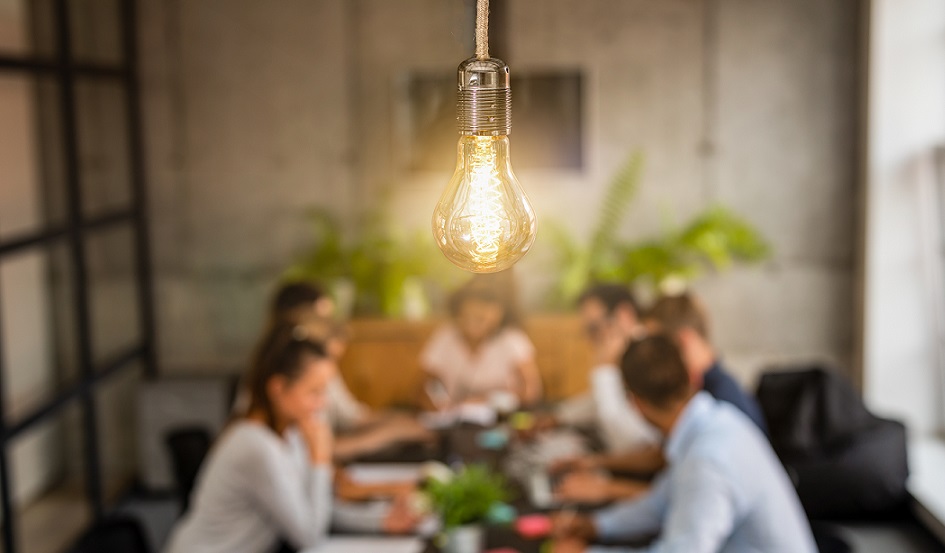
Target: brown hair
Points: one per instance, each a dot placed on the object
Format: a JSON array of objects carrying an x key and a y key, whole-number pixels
[
  {"x": 293, "y": 295},
  {"x": 611, "y": 295},
  {"x": 653, "y": 371},
  {"x": 282, "y": 351},
  {"x": 674, "y": 313},
  {"x": 498, "y": 288}
]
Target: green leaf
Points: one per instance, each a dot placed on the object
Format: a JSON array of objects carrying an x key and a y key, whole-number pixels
[
  {"x": 620, "y": 194},
  {"x": 468, "y": 497}
]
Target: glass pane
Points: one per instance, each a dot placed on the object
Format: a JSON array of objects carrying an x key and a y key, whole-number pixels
[
  {"x": 26, "y": 28},
  {"x": 113, "y": 292},
  {"x": 104, "y": 168},
  {"x": 38, "y": 322},
  {"x": 96, "y": 30},
  {"x": 30, "y": 164},
  {"x": 47, "y": 470},
  {"x": 115, "y": 400}
]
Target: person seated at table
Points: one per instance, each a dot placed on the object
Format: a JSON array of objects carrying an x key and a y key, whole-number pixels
[
  {"x": 725, "y": 490},
  {"x": 482, "y": 350},
  {"x": 254, "y": 489},
  {"x": 359, "y": 429},
  {"x": 609, "y": 316},
  {"x": 683, "y": 318}
]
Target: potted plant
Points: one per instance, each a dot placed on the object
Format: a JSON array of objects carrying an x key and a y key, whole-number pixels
[
  {"x": 464, "y": 501},
  {"x": 664, "y": 263},
  {"x": 377, "y": 271}
]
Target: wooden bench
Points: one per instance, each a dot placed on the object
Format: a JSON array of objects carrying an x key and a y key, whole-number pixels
[{"x": 382, "y": 365}]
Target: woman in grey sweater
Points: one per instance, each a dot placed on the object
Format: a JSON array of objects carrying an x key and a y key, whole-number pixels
[{"x": 254, "y": 488}]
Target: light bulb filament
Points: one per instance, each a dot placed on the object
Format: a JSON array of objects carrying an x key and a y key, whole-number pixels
[{"x": 486, "y": 223}]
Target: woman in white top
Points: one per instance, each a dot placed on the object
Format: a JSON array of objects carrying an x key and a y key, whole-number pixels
[
  {"x": 254, "y": 488},
  {"x": 483, "y": 350}
]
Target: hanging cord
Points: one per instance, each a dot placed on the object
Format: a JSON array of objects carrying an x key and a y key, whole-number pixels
[{"x": 482, "y": 29}]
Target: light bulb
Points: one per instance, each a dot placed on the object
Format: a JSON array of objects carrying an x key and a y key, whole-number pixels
[{"x": 483, "y": 222}]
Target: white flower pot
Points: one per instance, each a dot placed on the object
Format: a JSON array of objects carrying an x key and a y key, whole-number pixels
[{"x": 464, "y": 539}]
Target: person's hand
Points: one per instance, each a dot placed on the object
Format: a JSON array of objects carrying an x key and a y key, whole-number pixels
[
  {"x": 585, "y": 487},
  {"x": 569, "y": 525},
  {"x": 568, "y": 545},
  {"x": 531, "y": 425},
  {"x": 610, "y": 345},
  {"x": 579, "y": 463},
  {"x": 318, "y": 438},
  {"x": 351, "y": 490},
  {"x": 346, "y": 488},
  {"x": 401, "y": 519},
  {"x": 408, "y": 430}
]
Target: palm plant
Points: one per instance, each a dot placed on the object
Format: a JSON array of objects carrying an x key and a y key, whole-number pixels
[
  {"x": 386, "y": 269},
  {"x": 716, "y": 239}
]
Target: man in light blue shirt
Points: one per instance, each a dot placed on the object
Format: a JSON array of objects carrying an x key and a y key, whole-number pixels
[{"x": 724, "y": 490}]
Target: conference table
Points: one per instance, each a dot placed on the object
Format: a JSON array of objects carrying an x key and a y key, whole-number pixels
[{"x": 460, "y": 444}]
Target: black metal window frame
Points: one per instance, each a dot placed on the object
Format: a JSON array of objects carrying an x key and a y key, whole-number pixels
[{"x": 65, "y": 69}]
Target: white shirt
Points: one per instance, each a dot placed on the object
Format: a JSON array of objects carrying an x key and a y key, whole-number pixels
[
  {"x": 621, "y": 426},
  {"x": 251, "y": 492},
  {"x": 345, "y": 412},
  {"x": 491, "y": 368}
]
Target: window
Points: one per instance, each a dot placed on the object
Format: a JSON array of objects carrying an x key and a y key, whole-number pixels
[{"x": 75, "y": 292}]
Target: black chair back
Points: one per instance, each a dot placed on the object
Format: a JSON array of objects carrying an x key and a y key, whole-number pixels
[
  {"x": 188, "y": 447},
  {"x": 113, "y": 535}
]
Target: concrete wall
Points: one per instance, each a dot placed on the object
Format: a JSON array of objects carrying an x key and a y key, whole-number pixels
[
  {"x": 902, "y": 369},
  {"x": 256, "y": 111}
]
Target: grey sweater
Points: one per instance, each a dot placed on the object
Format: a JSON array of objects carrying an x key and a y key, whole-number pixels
[{"x": 252, "y": 491}]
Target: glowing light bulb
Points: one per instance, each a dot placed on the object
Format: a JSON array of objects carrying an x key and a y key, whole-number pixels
[{"x": 483, "y": 222}]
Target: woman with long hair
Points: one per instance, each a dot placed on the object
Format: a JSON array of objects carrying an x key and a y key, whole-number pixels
[{"x": 254, "y": 489}]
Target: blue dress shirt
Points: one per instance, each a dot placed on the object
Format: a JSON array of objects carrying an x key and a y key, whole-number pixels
[{"x": 724, "y": 492}]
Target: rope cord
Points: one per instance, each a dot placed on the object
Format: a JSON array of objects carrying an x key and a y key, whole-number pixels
[{"x": 482, "y": 29}]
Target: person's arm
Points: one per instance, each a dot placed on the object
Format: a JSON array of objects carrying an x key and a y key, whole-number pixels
[
  {"x": 362, "y": 443},
  {"x": 700, "y": 517},
  {"x": 591, "y": 488},
  {"x": 645, "y": 460},
  {"x": 297, "y": 499},
  {"x": 530, "y": 382},
  {"x": 348, "y": 489},
  {"x": 635, "y": 519},
  {"x": 393, "y": 431},
  {"x": 527, "y": 379},
  {"x": 578, "y": 411},
  {"x": 629, "y": 520},
  {"x": 346, "y": 412},
  {"x": 359, "y": 517}
]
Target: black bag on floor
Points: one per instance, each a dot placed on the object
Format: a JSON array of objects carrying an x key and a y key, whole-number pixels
[{"x": 845, "y": 461}]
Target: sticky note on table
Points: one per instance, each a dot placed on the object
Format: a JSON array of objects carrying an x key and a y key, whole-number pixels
[{"x": 533, "y": 526}]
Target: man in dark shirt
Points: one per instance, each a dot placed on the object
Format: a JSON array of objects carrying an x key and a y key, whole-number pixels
[{"x": 683, "y": 318}]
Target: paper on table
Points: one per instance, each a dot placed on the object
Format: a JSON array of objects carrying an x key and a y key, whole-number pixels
[
  {"x": 375, "y": 473},
  {"x": 370, "y": 544},
  {"x": 475, "y": 413}
]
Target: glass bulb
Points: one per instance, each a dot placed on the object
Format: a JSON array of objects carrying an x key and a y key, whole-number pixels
[{"x": 483, "y": 222}]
